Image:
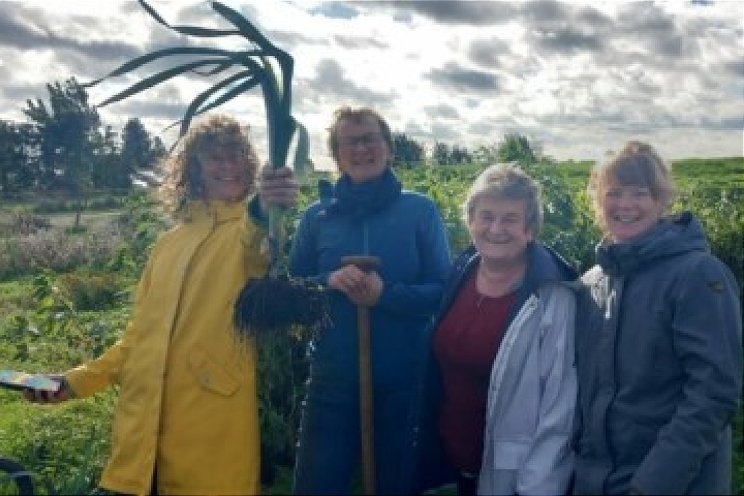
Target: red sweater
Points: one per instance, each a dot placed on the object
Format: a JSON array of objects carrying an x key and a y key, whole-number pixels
[{"x": 465, "y": 345}]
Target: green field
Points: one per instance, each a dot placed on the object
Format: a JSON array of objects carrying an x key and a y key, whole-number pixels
[
  {"x": 714, "y": 172},
  {"x": 65, "y": 295}
]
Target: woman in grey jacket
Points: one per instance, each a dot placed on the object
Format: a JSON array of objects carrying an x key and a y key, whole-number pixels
[
  {"x": 503, "y": 349},
  {"x": 658, "y": 343}
]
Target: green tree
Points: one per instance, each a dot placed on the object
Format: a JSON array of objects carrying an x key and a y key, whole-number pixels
[
  {"x": 15, "y": 154},
  {"x": 485, "y": 155},
  {"x": 440, "y": 154},
  {"x": 136, "y": 148},
  {"x": 65, "y": 131},
  {"x": 140, "y": 151},
  {"x": 515, "y": 147},
  {"x": 110, "y": 170},
  {"x": 460, "y": 155},
  {"x": 407, "y": 151}
]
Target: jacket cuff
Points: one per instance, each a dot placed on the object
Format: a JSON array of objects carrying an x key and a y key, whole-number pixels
[{"x": 79, "y": 383}]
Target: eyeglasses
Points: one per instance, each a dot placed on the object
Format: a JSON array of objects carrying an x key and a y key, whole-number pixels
[{"x": 368, "y": 139}]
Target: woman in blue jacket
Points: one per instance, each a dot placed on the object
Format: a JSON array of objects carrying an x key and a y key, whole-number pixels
[{"x": 365, "y": 213}]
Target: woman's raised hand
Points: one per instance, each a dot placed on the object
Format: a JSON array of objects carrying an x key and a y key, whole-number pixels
[{"x": 277, "y": 187}]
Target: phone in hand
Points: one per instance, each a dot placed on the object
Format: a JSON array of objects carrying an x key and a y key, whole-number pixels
[{"x": 13, "y": 379}]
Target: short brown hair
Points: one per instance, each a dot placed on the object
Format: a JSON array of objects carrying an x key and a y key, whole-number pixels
[
  {"x": 182, "y": 169},
  {"x": 356, "y": 114},
  {"x": 637, "y": 164},
  {"x": 507, "y": 182}
]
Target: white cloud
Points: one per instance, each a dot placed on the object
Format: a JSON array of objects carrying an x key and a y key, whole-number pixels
[{"x": 581, "y": 77}]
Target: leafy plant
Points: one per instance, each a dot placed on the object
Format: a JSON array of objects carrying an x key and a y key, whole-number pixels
[
  {"x": 262, "y": 64},
  {"x": 86, "y": 291},
  {"x": 282, "y": 367},
  {"x": 142, "y": 221}
]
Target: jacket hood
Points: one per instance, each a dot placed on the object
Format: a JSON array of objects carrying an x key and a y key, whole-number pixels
[
  {"x": 672, "y": 236},
  {"x": 546, "y": 265}
]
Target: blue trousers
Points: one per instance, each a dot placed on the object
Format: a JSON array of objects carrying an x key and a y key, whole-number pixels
[{"x": 329, "y": 448}]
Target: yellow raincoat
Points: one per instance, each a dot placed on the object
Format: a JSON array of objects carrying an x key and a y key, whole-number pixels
[{"x": 187, "y": 400}]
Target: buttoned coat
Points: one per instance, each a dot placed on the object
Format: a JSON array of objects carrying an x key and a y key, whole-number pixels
[{"x": 187, "y": 389}]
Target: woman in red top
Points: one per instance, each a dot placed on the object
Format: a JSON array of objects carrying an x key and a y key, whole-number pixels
[{"x": 503, "y": 345}]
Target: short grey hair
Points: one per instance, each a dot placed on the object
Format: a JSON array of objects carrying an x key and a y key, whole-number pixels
[{"x": 506, "y": 181}]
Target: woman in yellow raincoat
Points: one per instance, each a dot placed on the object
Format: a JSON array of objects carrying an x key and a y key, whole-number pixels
[{"x": 186, "y": 421}]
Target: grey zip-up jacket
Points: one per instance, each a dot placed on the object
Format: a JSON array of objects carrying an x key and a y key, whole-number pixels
[
  {"x": 533, "y": 373},
  {"x": 659, "y": 359},
  {"x": 531, "y": 399}
]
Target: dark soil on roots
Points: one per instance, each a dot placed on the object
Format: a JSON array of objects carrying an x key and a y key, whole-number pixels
[{"x": 279, "y": 304}]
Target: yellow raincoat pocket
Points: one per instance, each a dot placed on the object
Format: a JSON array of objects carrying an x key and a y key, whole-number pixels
[{"x": 212, "y": 375}]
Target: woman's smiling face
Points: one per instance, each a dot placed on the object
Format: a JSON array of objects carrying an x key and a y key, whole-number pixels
[
  {"x": 362, "y": 151},
  {"x": 499, "y": 230},
  {"x": 628, "y": 211},
  {"x": 224, "y": 176}
]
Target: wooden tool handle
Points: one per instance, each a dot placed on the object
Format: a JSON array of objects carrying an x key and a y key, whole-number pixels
[
  {"x": 364, "y": 262},
  {"x": 366, "y": 388},
  {"x": 366, "y": 401}
]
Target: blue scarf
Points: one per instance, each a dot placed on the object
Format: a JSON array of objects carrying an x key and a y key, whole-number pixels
[{"x": 361, "y": 200}]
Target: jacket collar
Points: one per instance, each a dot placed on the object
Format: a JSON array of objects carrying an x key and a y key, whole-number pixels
[
  {"x": 672, "y": 236},
  {"x": 216, "y": 211},
  {"x": 543, "y": 265}
]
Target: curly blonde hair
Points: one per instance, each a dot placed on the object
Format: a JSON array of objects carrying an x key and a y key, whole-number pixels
[{"x": 182, "y": 170}]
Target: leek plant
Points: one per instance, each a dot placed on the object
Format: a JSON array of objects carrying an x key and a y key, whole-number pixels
[{"x": 275, "y": 301}]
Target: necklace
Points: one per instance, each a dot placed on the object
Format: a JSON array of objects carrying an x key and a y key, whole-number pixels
[{"x": 479, "y": 300}]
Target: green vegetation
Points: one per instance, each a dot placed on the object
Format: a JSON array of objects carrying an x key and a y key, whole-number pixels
[
  {"x": 65, "y": 297},
  {"x": 719, "y": 172}
]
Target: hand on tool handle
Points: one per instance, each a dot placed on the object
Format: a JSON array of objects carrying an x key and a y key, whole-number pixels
[{"x": 362, "y": 288}]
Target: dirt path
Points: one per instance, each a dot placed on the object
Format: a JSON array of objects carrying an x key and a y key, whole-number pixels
[{"x": 67, "y": 219}]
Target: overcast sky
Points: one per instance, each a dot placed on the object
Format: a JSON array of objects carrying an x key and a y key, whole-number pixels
[{"x": 580, "y": 78}]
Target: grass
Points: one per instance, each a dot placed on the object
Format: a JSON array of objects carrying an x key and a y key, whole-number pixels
[
  {"x": 15, "y": 296},
  {"x": 13, "y": 408}
]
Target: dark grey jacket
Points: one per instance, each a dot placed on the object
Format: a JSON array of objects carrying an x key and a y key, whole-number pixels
[{"x": 659, "y": 362}]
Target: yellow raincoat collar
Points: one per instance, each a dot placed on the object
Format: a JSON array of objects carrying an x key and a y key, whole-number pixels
[{"x": 216, "y": 211}]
